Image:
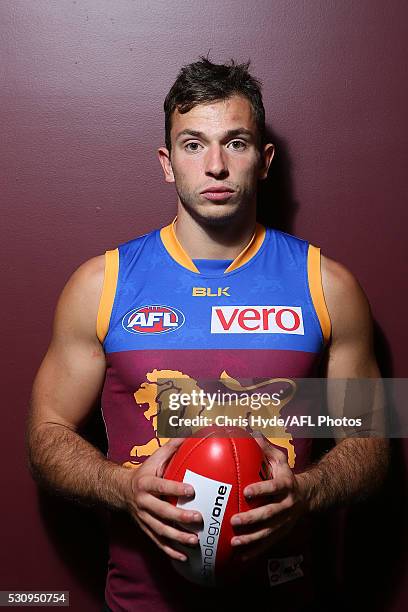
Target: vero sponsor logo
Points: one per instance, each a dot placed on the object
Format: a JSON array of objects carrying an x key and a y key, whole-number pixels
[
  {"x": 257, "y": 320},
  {"x": 153, "y": 320}
]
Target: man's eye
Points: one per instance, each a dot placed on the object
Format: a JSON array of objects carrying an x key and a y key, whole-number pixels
[
  {"x": 192, "y": 146},
  {"x": 238, "y": 145}
]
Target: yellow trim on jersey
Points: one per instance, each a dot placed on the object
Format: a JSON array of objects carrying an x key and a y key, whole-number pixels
[
  {"x": 316, "y": 290},
  {"x": 110, "y": 282},
  {"x": 250, "y": 250},
  {"x": 174, "y": 248},
  {"x": 169, "y": 239}
]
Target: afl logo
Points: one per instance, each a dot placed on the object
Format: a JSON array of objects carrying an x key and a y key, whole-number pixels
[{"x": 153, "y": 320}]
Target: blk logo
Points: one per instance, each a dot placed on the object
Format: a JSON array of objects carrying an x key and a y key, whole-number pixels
[{"x": 208, "y": 292}]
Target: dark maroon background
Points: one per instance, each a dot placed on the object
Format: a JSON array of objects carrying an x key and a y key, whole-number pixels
[{"x": 83, "y": 84}]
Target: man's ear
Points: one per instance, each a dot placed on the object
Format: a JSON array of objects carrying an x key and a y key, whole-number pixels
[
  {"x": 268, "y": 152},
  {"x": 164, "y": 158}
]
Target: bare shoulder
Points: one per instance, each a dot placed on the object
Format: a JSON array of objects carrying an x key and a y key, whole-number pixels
[
  {"x": 78, "y": 304},
  {"x": 348, "y": 306},
  {"x": 89, "y": 276}
]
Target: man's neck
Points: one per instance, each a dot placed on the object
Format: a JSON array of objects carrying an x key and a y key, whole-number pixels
[{"x": 212, "y": 242}]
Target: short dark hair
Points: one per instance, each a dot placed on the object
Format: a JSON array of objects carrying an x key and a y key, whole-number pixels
[{"x": 202, "y": 82}]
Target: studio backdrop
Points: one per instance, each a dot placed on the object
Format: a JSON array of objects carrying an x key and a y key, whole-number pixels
[{"x": 82, "y": 90}]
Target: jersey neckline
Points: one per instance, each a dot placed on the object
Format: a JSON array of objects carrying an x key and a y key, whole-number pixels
[
  {"x": 172, "y": 246},
  {"x": 212, "y": 265}
]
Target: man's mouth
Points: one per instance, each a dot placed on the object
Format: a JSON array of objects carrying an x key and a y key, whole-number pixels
[{"x": 220, "y": 192}]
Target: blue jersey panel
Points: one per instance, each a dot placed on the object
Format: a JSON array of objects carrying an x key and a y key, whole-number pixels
[{"x": 263, "y": 304}]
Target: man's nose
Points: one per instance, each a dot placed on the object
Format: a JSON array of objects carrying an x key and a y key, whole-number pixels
[{"x": 216, "y": 163}]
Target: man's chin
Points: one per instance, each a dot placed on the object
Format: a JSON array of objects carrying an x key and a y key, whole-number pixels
[{"x": 214, "y": 215}]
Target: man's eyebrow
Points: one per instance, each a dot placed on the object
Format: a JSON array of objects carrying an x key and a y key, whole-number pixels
[{"x": 241, "y": 131}]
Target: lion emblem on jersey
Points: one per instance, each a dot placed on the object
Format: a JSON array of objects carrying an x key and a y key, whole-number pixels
[{"x": 153, "y": 394}]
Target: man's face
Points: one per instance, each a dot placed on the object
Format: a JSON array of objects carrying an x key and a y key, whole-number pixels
[{"x": 215, "y": 160}]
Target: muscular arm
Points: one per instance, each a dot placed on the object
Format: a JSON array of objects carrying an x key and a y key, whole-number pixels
[
  {"x": 65, "y": 389},
  {"x": 355, "y": 466}
]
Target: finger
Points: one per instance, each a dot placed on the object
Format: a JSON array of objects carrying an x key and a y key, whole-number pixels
[
  {"x": 269, "y": 449},
  {"x": 261, "y": 546},
  {"x": 161, "y": 456},
  {"x": 282, "y": 482},
  {"x": 164, "y": 457},
  {"x": 163, "y": 545},
  {"x": 249, "y": 538},
  {"x": 162, "y": 486},
  {"x": 168, "y": 512},
  {"x": 263, "y": 513},
  {"x": 162, "y": 530}
]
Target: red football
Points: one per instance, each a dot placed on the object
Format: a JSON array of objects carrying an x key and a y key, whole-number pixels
[{"x": 219, "y": 465}]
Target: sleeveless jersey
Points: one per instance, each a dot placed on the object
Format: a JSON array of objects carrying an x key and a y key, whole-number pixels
[{"x": 161, "y": 314}]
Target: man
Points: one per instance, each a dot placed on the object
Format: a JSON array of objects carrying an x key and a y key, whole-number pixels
[{"x": 109, "y": 332}]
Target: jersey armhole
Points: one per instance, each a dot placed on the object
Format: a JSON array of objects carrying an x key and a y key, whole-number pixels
[
  {"x": 316, "y": 290},
  {"x": 110, "y": 282}
]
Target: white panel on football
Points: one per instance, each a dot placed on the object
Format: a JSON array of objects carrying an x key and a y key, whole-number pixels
[{"x": 211, "y": 497}]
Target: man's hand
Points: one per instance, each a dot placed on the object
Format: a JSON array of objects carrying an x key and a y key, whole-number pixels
[
  {"x": 154, "y": 515},
  {"x": 263, "y": 526}
]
